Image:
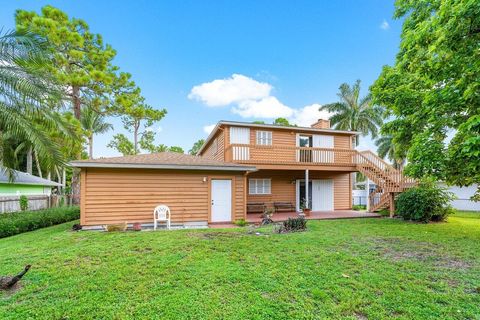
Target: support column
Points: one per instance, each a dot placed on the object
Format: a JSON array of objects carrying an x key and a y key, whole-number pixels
[
  {"x": 306, "y": 190},
  {"x": 367, "y": 192},
  {"x": 392, "y": 204}
]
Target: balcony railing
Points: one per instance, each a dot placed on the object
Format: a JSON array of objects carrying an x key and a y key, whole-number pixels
[
  {"x": 259, "y": 154},
  {"x": 368, "y": 163}
]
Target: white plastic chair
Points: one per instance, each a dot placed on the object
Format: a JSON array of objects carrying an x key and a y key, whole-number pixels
[{"x": 161, "y": 214}]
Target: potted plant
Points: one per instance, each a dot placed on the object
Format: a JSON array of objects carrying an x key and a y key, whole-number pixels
[
  {"x": 304, "y": 207},
  {"x": 137, "y": 226},
  {"x": 267, "y": 216}
]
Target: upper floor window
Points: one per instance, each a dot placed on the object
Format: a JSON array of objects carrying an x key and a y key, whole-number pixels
[
  {"x": 259, "y": 186},
  {"x": 264, "y": 138}
]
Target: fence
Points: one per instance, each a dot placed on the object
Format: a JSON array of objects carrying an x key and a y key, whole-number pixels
[{"x": 12, "y": 203}]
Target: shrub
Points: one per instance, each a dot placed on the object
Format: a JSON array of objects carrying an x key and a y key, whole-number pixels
[
  {"x": 293, "y": 225},
  {"x": 116, "y": 227},
  {"x": 425, "y": 202},
  {"x": 18, "y": 222},
  {"x": 241, "y": 223},
  {"x": 359, "y": 207},
  {"x": 23, "y": 202}
]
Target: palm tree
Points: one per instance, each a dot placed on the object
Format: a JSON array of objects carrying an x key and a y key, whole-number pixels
[
  {"x": 93, "y": 123},
  {"x": 354, "y": 113},
  {"x": 386, "y": 148},
  {"x": 25, "y": 91}
]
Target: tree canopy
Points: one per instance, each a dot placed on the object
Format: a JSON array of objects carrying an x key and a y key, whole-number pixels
[
  {"x": 196, "y": 147},
  {"x": 81, "y": 61},
  {"x": 433, "y": 89},
  {"x": 282, "y": 122},
  {"x": 354, "y": 113}
]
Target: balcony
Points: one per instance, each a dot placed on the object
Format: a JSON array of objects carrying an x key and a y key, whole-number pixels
[
  {"x": 291, "y": 155},
  {"x": 368, "y": 163}
]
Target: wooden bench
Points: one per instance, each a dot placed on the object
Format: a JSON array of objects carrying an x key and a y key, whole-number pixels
[
  {"x": 285, "y": 206},
  {"x": 255, "y": 207}
]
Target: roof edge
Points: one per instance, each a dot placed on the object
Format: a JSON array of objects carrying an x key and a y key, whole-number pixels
[{"x": 160, "y": 166}]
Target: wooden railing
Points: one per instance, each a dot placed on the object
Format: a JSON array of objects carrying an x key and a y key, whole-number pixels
[{"x": 258, "y": 154}]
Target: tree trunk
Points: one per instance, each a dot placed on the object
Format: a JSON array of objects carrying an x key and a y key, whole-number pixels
[
  {"x": 37, "y": 163},
  {"x": 11, "y": 282},
  {"x": 77, "y": 105},
  {"x": 30, "y": 160},
  {"x": 135, "y": 137},
  {"x": 90, "y": 146}
]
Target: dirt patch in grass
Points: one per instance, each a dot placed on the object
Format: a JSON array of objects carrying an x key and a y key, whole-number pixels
[
  {"x": 216, "y": 235},
  {"x": 399, "y": 250}
]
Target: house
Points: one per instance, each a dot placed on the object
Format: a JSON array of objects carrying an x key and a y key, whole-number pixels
[
  {"x": 35, "y": 188},
  {"x": 240, "y": 166},
  {"x": 25, "y": 184}
]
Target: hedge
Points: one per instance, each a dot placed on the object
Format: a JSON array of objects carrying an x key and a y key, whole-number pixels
[{"x": 19, "y": 222}]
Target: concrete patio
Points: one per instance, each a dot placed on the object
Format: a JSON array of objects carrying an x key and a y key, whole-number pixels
[
  {"x": 314, "y": 215},
  {"x": 255, "y": 218}
]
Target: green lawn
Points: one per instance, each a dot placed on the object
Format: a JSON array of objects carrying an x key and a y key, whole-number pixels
[{"x": 344, "y": 269}]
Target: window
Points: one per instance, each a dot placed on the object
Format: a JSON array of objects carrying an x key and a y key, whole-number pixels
[
  {"x": 264, "y": 138},
  {"x": 259, "y": 186}
]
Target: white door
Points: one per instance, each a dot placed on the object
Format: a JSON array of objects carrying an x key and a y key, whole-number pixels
[
  {"x": 239, "y": 135},
  {"x": 322, "y": 195},
  {"x": 323, "y": 141},
  {"x": 221, "y": 201}
]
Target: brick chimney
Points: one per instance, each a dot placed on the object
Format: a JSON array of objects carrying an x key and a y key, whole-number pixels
[{"x": 321, "y": 124}]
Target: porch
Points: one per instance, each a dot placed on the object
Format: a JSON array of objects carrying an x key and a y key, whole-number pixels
[{"x": 314, "y": 215}]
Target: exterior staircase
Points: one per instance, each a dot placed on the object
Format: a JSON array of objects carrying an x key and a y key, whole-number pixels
[{"x": 390, "y": 181}]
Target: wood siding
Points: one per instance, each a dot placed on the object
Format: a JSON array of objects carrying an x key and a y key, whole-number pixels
[
  {"x": 118, "y": 195},
  {"x": 216, "y": 147},
  {"x": 284, "y": 188}
]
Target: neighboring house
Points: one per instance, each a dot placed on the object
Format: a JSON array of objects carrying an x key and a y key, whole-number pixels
[
  {"x": 463, "y": 195},
  {"x": 25, "y": 184},
  {"x": 35, "y": 188},
  {"x": 240, "y": 163}
]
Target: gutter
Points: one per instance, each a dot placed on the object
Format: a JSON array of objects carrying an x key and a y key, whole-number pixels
[{"x": 160, "y": 166}]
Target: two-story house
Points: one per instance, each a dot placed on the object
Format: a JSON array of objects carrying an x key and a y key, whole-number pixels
[{"x": 241, "y": 168}]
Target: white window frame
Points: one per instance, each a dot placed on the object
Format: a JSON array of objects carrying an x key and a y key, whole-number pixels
[
  {"x": 259, "y": 186},
  {"x": 264, "y": 138}
]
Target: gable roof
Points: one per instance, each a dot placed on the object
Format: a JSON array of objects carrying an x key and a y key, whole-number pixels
[
  {"x": 270, "y": 126},
  {"x": 162, "y": 160},
  {"x": 25, "y": 178}
]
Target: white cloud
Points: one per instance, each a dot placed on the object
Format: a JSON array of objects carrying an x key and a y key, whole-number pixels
[
  {"x": 252, "y": 99},
  {"x": 208, "y": 129},
  {"x": 308, "y": 115},
  {"x": 384, "y": 25},
  {"x": 268, "y": 107},
  {"x": 223, "y": 92},
  {"x": 159, "y": 129}
]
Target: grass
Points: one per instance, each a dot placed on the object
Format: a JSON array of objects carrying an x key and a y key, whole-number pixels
[{"x": 339, "y": 269}]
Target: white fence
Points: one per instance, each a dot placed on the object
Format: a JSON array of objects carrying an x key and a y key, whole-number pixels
[{"x": 12, "y": 203}]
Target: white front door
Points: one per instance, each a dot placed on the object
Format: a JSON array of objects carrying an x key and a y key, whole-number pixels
[
  {"x": 322, "y": 195},
  {"x": 221, "y": 201}
]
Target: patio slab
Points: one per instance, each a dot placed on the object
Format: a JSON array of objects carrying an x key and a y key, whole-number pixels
[{"x": 315, "y": 215}]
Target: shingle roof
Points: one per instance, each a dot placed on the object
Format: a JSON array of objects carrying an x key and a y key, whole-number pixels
[
  {"x": 161, "y": 160},
  {"x": 25, "y": 178}
]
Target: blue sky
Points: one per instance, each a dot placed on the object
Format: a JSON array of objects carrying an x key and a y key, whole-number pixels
[{"x": 268, "y": 57}]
